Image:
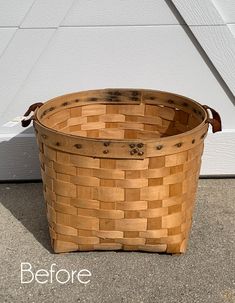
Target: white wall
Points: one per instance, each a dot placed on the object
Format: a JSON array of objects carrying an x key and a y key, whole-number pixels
[{"x": 49, "y": 48}]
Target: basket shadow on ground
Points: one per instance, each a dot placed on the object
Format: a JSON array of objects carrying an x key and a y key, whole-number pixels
[{"x": 25, "y": 202}]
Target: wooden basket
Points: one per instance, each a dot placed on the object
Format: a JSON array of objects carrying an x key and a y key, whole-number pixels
[{"x": 120, "y": 168}]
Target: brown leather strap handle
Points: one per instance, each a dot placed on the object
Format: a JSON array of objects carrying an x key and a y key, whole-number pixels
[
  {"x": 215, "y": 121},
  {"x": 32, "y": 108}
]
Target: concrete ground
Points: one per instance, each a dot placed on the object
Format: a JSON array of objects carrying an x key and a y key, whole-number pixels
[{"x": 206, "y": 273}]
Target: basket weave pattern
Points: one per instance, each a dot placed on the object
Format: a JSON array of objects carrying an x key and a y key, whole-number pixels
[{"x": 120, "y": 176}]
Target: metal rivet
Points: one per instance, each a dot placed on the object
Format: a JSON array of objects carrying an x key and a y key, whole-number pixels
[
  {"x": 193, "y": 141},
  {"x": 140, "y": 145},
  {"x": 106, "y": 151},
  {"x": 132, "y": 152},
  {"x": 106, "y": 143},
  {"x": 78, "y": 145},
  {"x": 132, "y": 145},
  {"x": 202, "y": 136},
  {"x": 159, "y": 147},
  {"x": 140, "y": 153},
  {"x": 179, "y": 144}
]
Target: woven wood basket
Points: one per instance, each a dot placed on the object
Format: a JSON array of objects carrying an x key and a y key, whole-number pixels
[{"x": 120, "y": 168}]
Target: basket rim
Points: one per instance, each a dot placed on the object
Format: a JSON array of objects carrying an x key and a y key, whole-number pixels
[{"x": 160, "y": 140}]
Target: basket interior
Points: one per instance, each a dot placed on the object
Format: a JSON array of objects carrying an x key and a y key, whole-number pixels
[{"x": 115, "y": 121}]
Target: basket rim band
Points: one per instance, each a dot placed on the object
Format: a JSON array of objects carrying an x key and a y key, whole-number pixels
[{"x": 120, "y": 148}]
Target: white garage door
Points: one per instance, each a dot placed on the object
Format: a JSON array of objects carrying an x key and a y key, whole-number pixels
[{"x": 49, "y": 48}]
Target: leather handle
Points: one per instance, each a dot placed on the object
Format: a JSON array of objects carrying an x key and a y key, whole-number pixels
[
  {"x": 32, "y": 108},
  {"x": 215, "y": 121}
]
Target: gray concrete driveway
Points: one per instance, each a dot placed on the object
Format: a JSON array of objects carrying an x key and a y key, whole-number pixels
[{"x": 206, "y": 273}]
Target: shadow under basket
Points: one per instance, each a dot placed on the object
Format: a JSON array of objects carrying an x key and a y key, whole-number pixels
[{"x": 120, "y": 168}]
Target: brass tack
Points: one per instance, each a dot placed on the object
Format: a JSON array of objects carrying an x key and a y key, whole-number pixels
[
  {"x": 159, "y": 147},
  {"x": 140, "y": 145},
  {"x": 132, "y": 145},
  {"x": 106, "y": 143},
  {"x": 179, "y": 144},
  {"x": 78, "y": 145},
  {"x": 202, "y": 136},
  {"x": 140, "y": 153},
  {"x": 106, "y": 151},
  {"x": 132, "y": 152}
]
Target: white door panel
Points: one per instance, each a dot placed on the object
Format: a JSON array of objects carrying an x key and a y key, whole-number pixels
[
  {"x": 227, "y": 9},
  {"x": 116, "y": 12},
  {"x": 57, "y": 47},
  {"x": 6, "y": 35},
  {"x": 18, "y": 60},
  {"x": 44, "y": 13},
  {"x": 12, "y": 12}
]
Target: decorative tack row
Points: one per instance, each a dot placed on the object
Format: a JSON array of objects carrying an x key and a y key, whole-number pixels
[
  {"x": 113, "y": 96},
  {"x": 135, "y": 148}
]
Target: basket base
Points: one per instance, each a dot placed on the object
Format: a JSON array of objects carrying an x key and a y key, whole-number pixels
[{"x": 65, "y": 247}]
